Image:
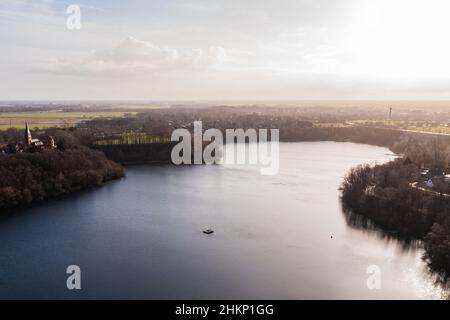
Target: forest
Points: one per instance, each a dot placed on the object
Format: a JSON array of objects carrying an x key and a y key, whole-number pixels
[
  {"x": 383, "y": 194},
  {"x": 33, "y": 177}
]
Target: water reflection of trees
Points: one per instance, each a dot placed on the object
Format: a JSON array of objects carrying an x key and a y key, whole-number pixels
[{"x": 362, "y": 223}]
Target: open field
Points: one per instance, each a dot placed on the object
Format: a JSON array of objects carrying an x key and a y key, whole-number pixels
[
  {"x": 407, "y": 126},
  {"x": 53, "y": 118},
  {"x": 330, "y": 125},
  {"x": 442, "y": 130}
]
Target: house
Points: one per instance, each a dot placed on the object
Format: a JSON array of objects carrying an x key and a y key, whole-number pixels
[
  {"x": 48, "y": 141},
  {"x": 425, "y": 173},
  {"x": 36, "y": 144}
]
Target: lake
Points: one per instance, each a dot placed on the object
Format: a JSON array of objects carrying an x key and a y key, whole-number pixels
[{"x": 276, "y": 237}]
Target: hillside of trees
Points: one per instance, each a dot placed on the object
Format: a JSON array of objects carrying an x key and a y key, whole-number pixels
[
  {"x": 32, "y": 177},
  {"x": 384, "y": 195}
]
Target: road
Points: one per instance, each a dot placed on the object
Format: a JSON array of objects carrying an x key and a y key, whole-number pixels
[{"x": 415, "y": 186}]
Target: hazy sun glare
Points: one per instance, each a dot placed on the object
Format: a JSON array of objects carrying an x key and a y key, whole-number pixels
[
  {"x": 271, "y": 49},
  {"x": 401, "y": 39}
]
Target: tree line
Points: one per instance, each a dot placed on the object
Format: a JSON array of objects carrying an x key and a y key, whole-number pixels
[
  {"x": 383, "y": 194},
  {"x": 31, "y": 177}
]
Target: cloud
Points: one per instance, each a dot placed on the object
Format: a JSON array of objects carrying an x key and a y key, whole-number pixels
[{"x": 134, "y": 57}]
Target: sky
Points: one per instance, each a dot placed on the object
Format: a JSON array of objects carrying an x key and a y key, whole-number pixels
[{"x": 225, "y": 50}]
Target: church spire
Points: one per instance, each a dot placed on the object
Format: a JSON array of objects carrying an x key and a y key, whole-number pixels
[{"x": 27, "y": 134}]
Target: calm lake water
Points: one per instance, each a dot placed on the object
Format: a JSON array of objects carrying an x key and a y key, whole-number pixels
[{"x": 276, "y": 237}]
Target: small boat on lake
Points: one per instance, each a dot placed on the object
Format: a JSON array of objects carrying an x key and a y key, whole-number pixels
[{"x": 208, "y": 231}]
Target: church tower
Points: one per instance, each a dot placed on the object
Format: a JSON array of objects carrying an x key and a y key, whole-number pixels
[{"x": 27, "y": 135}]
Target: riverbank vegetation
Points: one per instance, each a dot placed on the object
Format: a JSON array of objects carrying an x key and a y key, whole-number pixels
[
  {"x": 386, "y": 195},
  {"x": 32, "y": 177}
]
